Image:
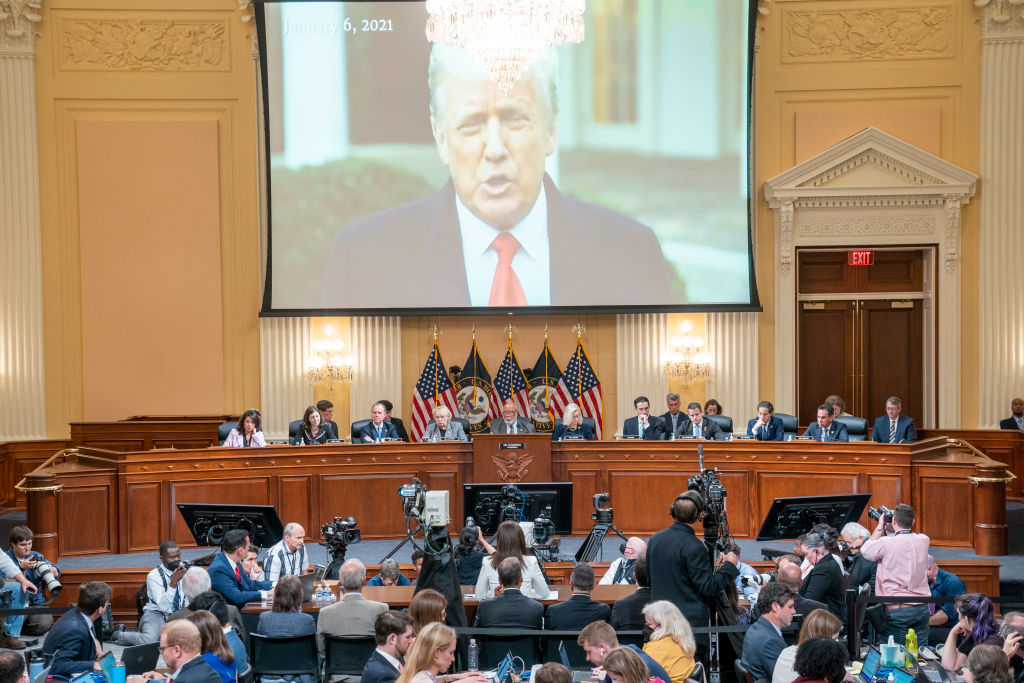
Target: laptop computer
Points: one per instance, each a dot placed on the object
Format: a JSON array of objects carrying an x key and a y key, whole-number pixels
[
  {"x": 871, "y": 662},
  {"x": 499, "y": 674},
  {"x": 307, "y": 581},
  {"x": 138, "y": 659},
  {"x": 578, "y": 675}
]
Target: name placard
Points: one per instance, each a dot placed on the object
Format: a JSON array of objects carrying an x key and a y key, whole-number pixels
[{"x": 511, "y": 446}]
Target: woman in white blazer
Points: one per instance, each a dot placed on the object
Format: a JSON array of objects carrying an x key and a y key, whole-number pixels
[{"x": 510, "y": 542}]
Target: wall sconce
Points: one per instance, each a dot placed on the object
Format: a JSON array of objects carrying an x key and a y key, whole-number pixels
[
  {"x": 328, "y": 366},
  {"x": 687, "y": 362}
]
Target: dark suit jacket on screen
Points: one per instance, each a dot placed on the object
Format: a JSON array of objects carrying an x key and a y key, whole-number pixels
[
  {"x": 71, "y": 644},
  {"x": 378, "y": 670},
  {"x": 396, "y": 246},
  {"x": 575, "y": 613},
  {"x": 370, "y": 430},
  {"x": 906, "y": 432},
  {"x": 224, "y": 581},
  {"x": 511, "y": 609},
  {"x": 654, "y": 432}
]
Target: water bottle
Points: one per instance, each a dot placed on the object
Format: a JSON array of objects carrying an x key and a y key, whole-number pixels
[
  {"x": 911, "y": 647},
  {"x": 474, "y": 655},
  {"x": 35, "y": 666}
]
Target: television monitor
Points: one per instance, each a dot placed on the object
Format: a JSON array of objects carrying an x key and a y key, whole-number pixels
[
  {"x": 208, "y": 522},
  {"x": 790, "y": 517},
  {"x": 487, "y": 504}
]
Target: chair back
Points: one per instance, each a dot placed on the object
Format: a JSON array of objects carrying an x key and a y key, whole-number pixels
[
  {"x": 856, "y": 426},
  {"x": 294, "y": 428},
  {"x": 742, "y": 674},
  {"x": 465, "y": 426},
  {"x": 698, "y": 675},
  {"x": 280, "y": 656},
  {"x": 356, "y": 427},
  {"x": 346, "y": 655},
  {"x": 789, "y": 423},
  {"x": 724, "y": 422},
  {"x": 224, "y": 430},
  {"x": 592, "y": 422}
]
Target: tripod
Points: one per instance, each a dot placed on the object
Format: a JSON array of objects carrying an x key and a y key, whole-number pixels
[
  {"x": 409, "y": 537},
  {"x": 595, "y": 539}
]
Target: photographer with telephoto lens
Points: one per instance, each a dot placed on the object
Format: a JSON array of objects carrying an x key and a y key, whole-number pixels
[{"x": 42, "y": 573}]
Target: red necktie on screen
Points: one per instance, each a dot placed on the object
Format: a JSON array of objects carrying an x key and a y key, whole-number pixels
[
  {"x": 506, "y": 289},
  {"x": 238, "y": 574}
]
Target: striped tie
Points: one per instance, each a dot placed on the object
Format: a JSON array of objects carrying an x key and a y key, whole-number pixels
[{"x": 892, "y": 431}]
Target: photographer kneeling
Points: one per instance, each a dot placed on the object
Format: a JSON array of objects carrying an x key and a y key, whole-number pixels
[
  {"x": 42, "y": 573},
  {"x": 14, "y": 592}
]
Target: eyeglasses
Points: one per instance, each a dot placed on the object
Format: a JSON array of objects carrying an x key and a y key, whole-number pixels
[{"x": 165, "y": 647}]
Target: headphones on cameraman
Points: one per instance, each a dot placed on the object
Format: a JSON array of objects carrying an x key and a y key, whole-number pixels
[{"x": 692, "y": 496}]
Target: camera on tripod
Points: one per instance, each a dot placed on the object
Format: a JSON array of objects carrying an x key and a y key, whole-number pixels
[
  {"x": 340, "y": 533},
  {"x": 601, "y": 514},
  {"x": 543, "y": 528},
  {"x": 713, "y": 493},
  {"x": 413, "y": 498}
]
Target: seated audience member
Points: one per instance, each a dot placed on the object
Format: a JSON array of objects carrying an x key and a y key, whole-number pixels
[
  {"x": 790, "y": 577},
  {"x": 286, "y": 617},
  {"x": 510, "y": 609},
  {"x": 326, "y": 409},
  {"x": 195, "y": 582},
  {"x": 763, "y": 642},
  {"x": 510, "y": 422},
  {"x": 248, "y": 433},
  {"x": 394, "y": 421},
  {"x": 825, "y": 429},
  {"x": 230, "y": 625},
  {"x": 620, "y": 571},
  {"x": 643, "y": 425},
  {"x": 510, "y": 542},
  {"x": 571, "y": 426},
  {"x": 352, "y": 615},
  {"x": 251, "y": 564},
  {"x": 427, "y": 607},
  {"x": 181, "y": 648},
  {"x": 470, "y": 554},
  {"x": 766, "y": 427},
  {"x": 749, "y": 592},
  {"x": 820, "y": 622},
  {"x": 672, "y": 419},
  {"x": 214, "y": 645},
  {"x": 627, "y": 613},
  {"x": 389, "y": 575},
  {"x": 838, "y": 406},
  {"x": 976, "y": 623},
  {"x": 431, "y": 654},
  {"x": 378, "y": 429},
  {"x": 860, "y": 569},
  {"x": 71, "y": 642},
  {"x": 987, "y": 664},
  {"x": 287, "y": 556},
  {"x": 893, "y": 427},
  {"x": 820, "y": 659},
  {"x": 825, "y": 582},
  {"x": 393, "y": 634},
  {"x": 1016, "y": 419},
  {"x": 943, "y": 615},
  {"x": 598, "y": 639},
  {"x": 671, "y": 643},
  {"x": 313, "y": 432},
  {"x": 552, "y": 672},
  {"x": 29, "y": 561},
  {"x": 226, "y": 575},
  {"x": 713, "y": 407},
  {"x": 12, "y": 668},
  {"x": 698, "y": 427},
  {"x": 623, "y": 665},
  {"x": 443, "y": 428},
  {"x": 417, "y": 563},
  {"x": 1012, "y": 632},
  {"x": 579, "y": 610},
  {"x": 163, "y": 597}
]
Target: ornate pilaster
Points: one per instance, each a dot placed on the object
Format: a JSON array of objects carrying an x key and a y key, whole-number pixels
[
  {"x": 22, "y": 376},
  {"x": 1000, "y": 238},
  {"x": 640, "y": 343}
]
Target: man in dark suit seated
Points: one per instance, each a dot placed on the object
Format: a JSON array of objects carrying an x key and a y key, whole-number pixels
[
  {"x": 699, "y": 427},
  {"x": 674, "y": 418},
  {"x": 395, "y": 422},
  {"x": 763, "y": 642},
  {"x": 627, "y": 613},
  {"x": 180, "y": 646},
  {"x": 510, "y": 422},
  {"x": 579, "y": 610},
  {"x": 1015, "y": 421},
  {"x": 326, "y": 410},
  {"x": 766, "y": 427},
  {"x": 392, "y": 631},
  {"x": 227, "y": 577},
  {"x": 825, "y": 429},
  {"x": 643, "y": 426},
  {"x": 71, "y": 642},
  {"x": 379, "y": 428},
  {"x": 893, "y": 427},
  {"x": 510, "y": 609}
]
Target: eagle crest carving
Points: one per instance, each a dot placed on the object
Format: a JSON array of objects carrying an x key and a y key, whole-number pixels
[{"x": 512, "y": 466}]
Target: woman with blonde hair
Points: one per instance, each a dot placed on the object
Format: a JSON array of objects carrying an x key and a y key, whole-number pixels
[
  {"x": 510, "y": 542},
  {"x": 572, "y": 426},
  {"x": 431, "y": 654},
  {"x": 427, "y": 607},
  {"x": 671, "y": 643},
  {"x": 625, "y": 666},
  {"x": 820, "y": 622}
]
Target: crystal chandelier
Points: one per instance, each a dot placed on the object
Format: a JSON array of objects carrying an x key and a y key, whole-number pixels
[
  {"x": 328, "y": 366},
  {"x": 505, "y": 35},
  {"x": 686, "y": 362}
]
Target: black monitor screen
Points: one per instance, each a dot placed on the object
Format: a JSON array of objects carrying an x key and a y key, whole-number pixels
[{"x": 492, "y": 504}]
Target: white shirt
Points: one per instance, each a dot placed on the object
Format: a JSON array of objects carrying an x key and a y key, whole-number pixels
[
  {"x": 391, "y": 660},
  {"x": 160, "y": 592},
  {"x": 534, "y": 585},
  {"x": 531, "y": 263}
]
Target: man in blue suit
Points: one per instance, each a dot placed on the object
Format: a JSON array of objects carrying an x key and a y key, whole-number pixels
[
  {"x": 71, "y": 641},
  {"x": 227, "y": 576},
  {"x": 392, "y": 631},
  {"x": 379, "y": 428},
  {"x": 643, "y": 426},
  {"x": 894, "y": 427},
  {"x": 766, "y": 427},
  {"x": 763, "y": 642},
  {"x": 1016, "y": 420},
  {"x": 825, "y": 429}
]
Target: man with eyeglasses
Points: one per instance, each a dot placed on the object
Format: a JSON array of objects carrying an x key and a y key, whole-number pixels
[
  {"x": 72, "y": 641},
  {"x": 180, "y": 645}
]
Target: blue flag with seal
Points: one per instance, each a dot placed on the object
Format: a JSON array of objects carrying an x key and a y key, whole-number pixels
[
  {"x": 474, "y": 394},
  {"x": 546, "y": 374}
]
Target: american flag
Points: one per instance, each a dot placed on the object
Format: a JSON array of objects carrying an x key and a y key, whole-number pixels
[
  {"x": 580, "y": 385},
  {"x": 510, "y": 382},
  {"x": 546, "y": 374},
  {"x": 433, "y": 387},
  {"x": 474, "y": 394}
]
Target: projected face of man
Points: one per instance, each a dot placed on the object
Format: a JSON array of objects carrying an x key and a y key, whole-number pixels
[{"x": 494, "y": 145}]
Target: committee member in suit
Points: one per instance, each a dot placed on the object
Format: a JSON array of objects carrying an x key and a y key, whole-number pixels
[
  {"x": 352, "y": 615},
  {"x": 248, "y": 433},
  {"x": 1016, "y": 420},
  {"x": 825, "y": 429},
  {"x": 443, "y": 428},
  {"x": 763, "y": 642},
  {"x": 579, "y": 610},
  {"x": 516, "y": 239},
  {"x": 393, "y": 634},
  {"x": 699, "y": 427},
  {"x": 180, "y": 646},
  {"x": 571, "y": 426},
  {"x": 326, "y": 409},
  {"x": 893, "y": 427},
  {"x": 314, "y": 431},
  {"x": 510, "y": 609},
  {"x": 378, "y": 429},
  {"x": 674, "y": 417},
  {"x": 678, "y": 562},
  {"x": 510, "y": 422},
  {"x": 395, "y": 422},
  {"x": 627, "y": 613},
  {"x": 227, "y": 577},
  {"x": 72, "y": 641},
  {"x": 766, "y": 427},
  {"x": 642, "y": 425}
]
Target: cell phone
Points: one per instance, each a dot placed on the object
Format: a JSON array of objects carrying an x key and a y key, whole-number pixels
[{"x": 319, "y": 571}]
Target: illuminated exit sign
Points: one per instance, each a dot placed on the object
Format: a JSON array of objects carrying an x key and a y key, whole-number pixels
[{"x": 860, "y": 257}]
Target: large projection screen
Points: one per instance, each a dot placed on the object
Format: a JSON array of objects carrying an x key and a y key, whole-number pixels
[{"x": 613, "y": 177}]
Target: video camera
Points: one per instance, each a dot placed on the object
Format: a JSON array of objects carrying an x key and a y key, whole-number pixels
[
  {"x": 508, "y": 506},
  {"x": 340, "y": 533},
  {"x": 713, "y": 493},
  {"x": 543, "y": 527},
  {"x": 601, "y": 514},
  {"x": 413, "y": 498}
]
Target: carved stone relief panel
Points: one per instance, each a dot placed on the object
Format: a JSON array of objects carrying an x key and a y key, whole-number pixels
[{"x": 140, "y": 43}]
